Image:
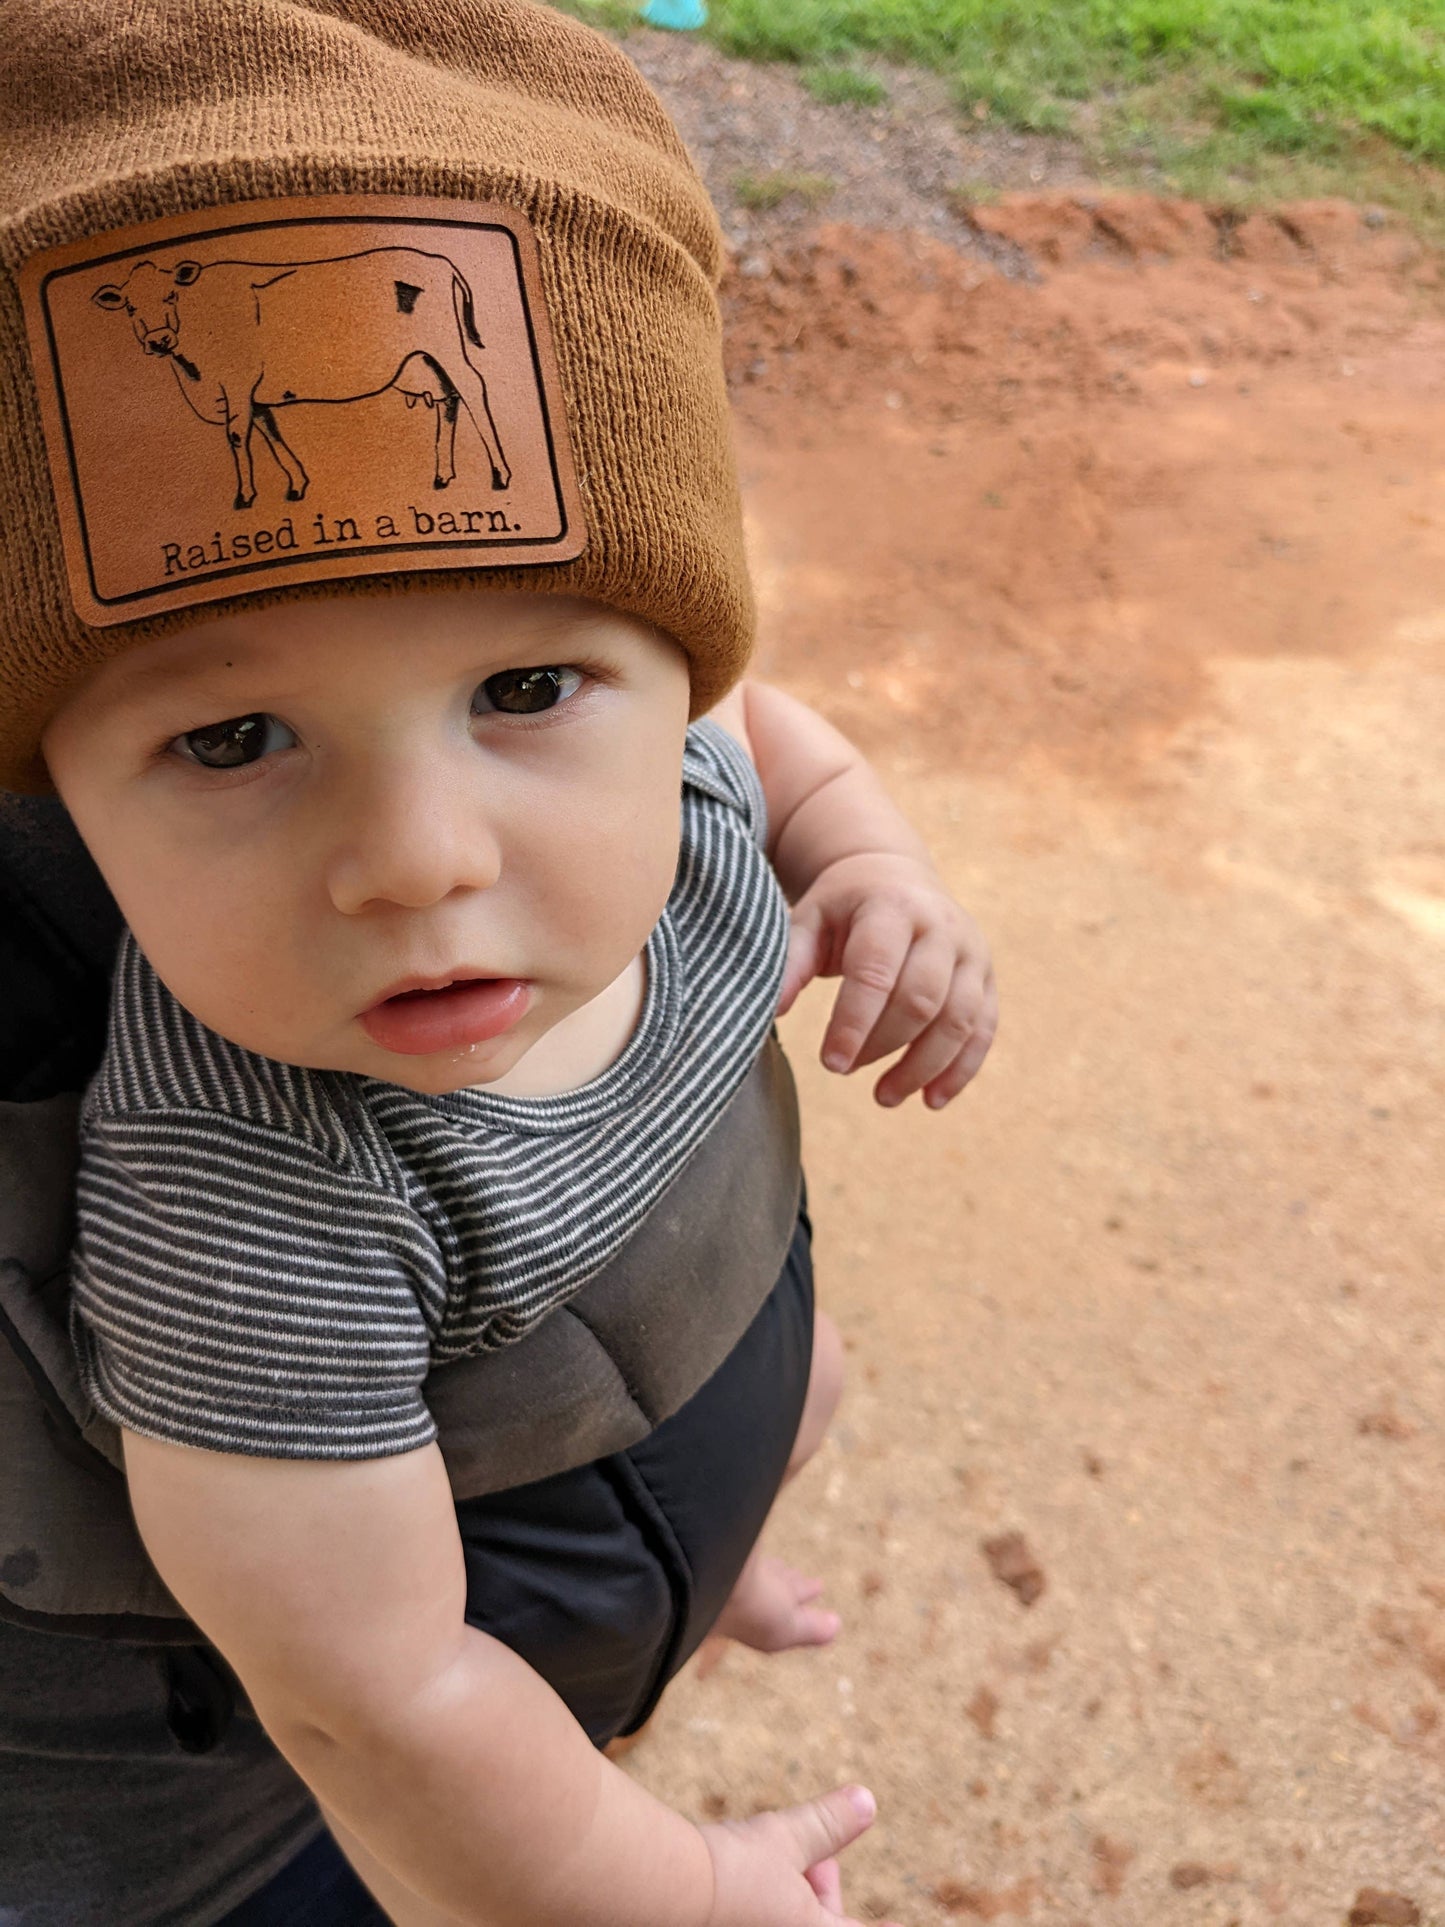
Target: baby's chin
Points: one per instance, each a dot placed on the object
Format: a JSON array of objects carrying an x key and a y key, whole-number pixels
[
  {"x": 437, "y": 1074},
  {"x": 450, "y": 1071}
]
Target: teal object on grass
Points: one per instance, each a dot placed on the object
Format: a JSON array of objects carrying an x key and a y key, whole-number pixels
[{"x": 682, "y": 16}]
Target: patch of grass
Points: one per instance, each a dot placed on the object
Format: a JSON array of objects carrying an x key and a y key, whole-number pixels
[
  {"x": 1003, "y": 96},
  {"x": 616, "y": 17},
  {"x": 964, "y": 195},
  {"x": 763, "y": 192},
  {"x": 1314, "y": 79},
  {"x": 841, "y": 86},
  {"x": 1223, "y": 168}
]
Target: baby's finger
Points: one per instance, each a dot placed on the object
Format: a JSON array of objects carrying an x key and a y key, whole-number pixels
[
  {"x": 805, "y": 954},
  {"x": 966, "y": 1066},
  {"x": 948, "y": 1038},
  {"x": 826, "y": 1880},
  {"x": 959, "y": 1075},
  {"x": 872, "y": 958},
  {"x": 923, "y": 984},
  {"x": 934, "y": 1053},
  {"x": 821, "y": 1828}
]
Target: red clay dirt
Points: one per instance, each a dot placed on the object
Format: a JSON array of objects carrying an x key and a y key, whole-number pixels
[{"x": 1127, "y": 566}]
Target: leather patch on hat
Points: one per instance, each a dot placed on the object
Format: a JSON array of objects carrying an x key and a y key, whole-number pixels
[{"x": 298, "y": 390}]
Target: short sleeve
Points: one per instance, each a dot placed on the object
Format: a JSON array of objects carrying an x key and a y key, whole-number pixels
[
  {"x": 716, "y": 763},
  {"x": 235, "y": 1289}
]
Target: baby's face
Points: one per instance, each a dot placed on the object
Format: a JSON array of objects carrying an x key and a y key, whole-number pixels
[{"x": 317, "y": 816}]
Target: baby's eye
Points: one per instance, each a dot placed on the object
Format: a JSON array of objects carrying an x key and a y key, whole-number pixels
[
  {"x": 525, "y": 692},
  {"x": 240, "y": 739}
]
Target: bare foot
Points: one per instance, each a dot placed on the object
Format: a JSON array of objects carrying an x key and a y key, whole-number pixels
[{"x": 770, "y": 1609}]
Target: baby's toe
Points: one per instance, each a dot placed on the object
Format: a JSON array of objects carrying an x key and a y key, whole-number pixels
[{"x": 813, "y": 1627}]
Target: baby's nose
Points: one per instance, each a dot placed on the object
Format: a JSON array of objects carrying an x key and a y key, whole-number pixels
[{"x": 410, "y": 842}]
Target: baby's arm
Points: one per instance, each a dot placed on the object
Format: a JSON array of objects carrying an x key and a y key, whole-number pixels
[
  {"x": 336, "y": 1591},
  {"x": 868, "y": 906}
]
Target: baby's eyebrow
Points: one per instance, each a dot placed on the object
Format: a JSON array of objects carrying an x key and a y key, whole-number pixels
[{"x": 136, "y": 683}]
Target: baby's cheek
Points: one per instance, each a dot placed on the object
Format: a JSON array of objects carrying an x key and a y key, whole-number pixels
[{"x": 612, "y": 911}]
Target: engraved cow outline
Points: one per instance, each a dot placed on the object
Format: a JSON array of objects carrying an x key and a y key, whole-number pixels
[{"x": 237, "y": 313}]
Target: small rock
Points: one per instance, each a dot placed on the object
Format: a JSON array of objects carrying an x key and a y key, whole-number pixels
[
  {"x": 757, "y": 267},
  {"x": 982, "y": 1709},
  {"x": 1198, "y": 378},
  {"x": 1111, "y": 1864},
  {"x": 1189, "y": 1874},
  {"x": 1375, "y": 217},
  {"x": 1384, "y": 1423},
  {"x": 1011, "y": 1561},
  {"x": 1375, "y": 1908},
  {"x": 986, "y": 1903}
]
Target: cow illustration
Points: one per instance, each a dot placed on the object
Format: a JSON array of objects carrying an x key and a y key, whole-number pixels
[{"x": 247, "y": 338}]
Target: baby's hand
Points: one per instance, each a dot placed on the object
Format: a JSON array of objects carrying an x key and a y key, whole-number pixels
[
  {"x": 778, "y": 1869},
  {"x": 917, "y": 976}
]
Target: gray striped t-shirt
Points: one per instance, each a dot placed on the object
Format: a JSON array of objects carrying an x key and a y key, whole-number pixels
[{"x": 270, "y": 1259}]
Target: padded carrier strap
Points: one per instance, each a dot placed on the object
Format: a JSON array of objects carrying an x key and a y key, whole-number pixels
[
  {"x": 595, "y": 1376},
  {"x": 653, "y": 1325}
]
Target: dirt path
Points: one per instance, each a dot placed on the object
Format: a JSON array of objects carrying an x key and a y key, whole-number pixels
[{"x": 1127, "y": 566}]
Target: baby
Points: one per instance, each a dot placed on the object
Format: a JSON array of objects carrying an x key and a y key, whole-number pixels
[{"x": 442, "y": 1255}]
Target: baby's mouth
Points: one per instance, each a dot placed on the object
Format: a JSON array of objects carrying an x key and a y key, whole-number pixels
[{"x": 418, "y": 1019}]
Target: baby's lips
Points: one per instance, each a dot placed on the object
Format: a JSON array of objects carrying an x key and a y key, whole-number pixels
[{"x": 417, "y": 1023}]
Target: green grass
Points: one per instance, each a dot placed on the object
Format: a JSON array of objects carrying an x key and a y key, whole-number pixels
[
  {"x": 611, "y": 16},
  {"x": 767, "y": 191},
  {"x": 844, "y": 86},
  {"x": 1296, "y": 75},
  {"x": 1223, "y": 92}
]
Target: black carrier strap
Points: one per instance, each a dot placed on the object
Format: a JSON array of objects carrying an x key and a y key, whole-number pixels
[
  {"x": 58, "y": 933},
  {"x": 70, "y": 1557},
  {"x": 593, "y": 1378}
]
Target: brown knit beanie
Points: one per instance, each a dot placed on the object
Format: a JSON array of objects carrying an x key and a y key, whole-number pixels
[{"x": 299, "y": 296}]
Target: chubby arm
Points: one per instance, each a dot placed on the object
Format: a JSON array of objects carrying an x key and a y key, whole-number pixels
[
  {"x": 336, "y": 1591},
  {"x": 868, "y": 906}
]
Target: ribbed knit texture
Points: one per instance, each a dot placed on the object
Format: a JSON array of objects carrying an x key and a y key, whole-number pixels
[{"x": 119, "y": 111}]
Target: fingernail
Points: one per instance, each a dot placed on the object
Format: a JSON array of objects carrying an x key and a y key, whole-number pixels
[
  {"x": 862, "y": 1802},
  {"x": 835, "y": 1060}
]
